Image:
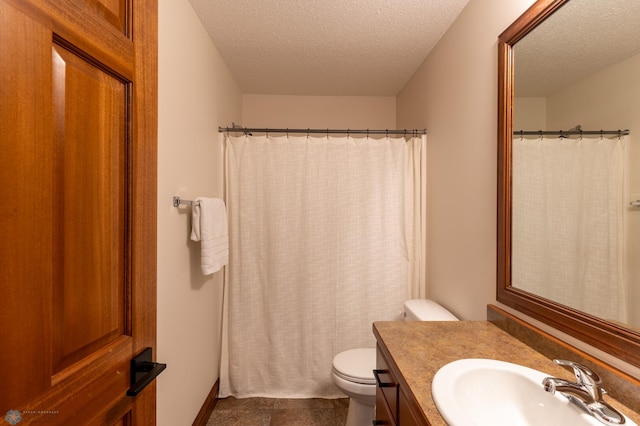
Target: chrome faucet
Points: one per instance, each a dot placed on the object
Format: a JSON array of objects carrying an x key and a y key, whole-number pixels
[{"x": 586, "y": 392}]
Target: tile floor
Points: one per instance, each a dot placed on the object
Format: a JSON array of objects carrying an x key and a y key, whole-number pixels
[{"x": 279, "y": 412}]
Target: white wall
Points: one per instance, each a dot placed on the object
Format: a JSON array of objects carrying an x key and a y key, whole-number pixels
[
  {"x": 609, "y": 99},
  {"x": 196, "y": 94},
  {"x": 336, "y": 112},
  {"x": 531, "y": 114},
  {"x": 454, "y": 95}
]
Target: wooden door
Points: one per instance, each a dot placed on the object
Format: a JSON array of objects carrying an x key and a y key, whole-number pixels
[{"x": 78, "y": 113}]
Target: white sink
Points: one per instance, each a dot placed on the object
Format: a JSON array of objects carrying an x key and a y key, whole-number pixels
[{"x": 478, "y": 392}]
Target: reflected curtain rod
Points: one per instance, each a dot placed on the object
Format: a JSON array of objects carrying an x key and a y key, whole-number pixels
[
  {"x": 570, "y": 132},
  {"x": 323, "y": 131}
]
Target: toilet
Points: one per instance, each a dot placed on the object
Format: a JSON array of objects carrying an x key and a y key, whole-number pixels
[{"x": 353, "y": 369}]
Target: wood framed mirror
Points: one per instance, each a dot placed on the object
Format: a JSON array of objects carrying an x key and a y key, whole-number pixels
[{"x": 617, "y": 339}]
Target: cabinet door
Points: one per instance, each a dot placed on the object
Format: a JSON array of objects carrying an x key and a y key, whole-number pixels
[
  {"x": 406, "y": 415},
  {"x": 383, "y": 414}
]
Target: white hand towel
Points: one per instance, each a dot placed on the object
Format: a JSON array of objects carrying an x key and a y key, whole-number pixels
[{"x": 209, "y": 226}]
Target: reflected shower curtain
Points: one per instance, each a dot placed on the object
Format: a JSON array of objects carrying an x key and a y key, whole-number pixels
[
  {"x": 568, "y": 210},
  {"x": 326, "y": 236}
]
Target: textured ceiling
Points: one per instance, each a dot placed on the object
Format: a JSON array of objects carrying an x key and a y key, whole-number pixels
[
  {"x": 580, "y": 39},
  {"x": 325, "y": 47}
]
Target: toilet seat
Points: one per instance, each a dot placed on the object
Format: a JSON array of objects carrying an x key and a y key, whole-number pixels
[{"x": 356, "y": 365}]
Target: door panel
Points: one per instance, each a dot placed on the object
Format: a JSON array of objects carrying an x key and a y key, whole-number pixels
[
  {"x": 90, "y": 281},
  {"x": 78, "y": 117}
]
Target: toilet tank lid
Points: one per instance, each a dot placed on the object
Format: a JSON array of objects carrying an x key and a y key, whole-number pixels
[{"x": 427, "y": 310}]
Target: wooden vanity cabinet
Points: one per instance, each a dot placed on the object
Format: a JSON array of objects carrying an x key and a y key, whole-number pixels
[{"x": 395, "y": 404}]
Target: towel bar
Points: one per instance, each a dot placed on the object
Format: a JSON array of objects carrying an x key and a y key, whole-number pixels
[{"x": 177, "y": 201}]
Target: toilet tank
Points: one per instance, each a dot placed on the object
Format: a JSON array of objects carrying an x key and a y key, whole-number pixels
[{"x": 426, "y": 310}]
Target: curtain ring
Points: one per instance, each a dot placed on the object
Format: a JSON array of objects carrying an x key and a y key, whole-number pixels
[
  {"x": 367, "y": 133},
  {"x": 601, "y": 134},
  {"x": 307, "y": 133},
  {"x": 287, "y": 133},
  {"x": 348, "y": 133},
  {"x": 327, "y": 134}
]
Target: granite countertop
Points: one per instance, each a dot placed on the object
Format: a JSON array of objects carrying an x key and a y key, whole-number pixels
[{"x": 419, "y": 349}]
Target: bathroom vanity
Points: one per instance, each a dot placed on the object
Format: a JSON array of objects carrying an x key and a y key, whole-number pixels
[{"x": 410, "y": 353}]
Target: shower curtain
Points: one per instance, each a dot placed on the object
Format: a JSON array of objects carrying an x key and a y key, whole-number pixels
[
  {"x": 568, "y": 219},
  {"x": 327, "y": 235}
]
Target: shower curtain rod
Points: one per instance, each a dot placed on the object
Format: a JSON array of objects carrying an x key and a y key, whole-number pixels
[
  {"x": 324, "y": 131},
  {"x": 570, "y": 132}
]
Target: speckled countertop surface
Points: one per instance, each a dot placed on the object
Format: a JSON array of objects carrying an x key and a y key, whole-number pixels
[{"x": 419, "y": 349}]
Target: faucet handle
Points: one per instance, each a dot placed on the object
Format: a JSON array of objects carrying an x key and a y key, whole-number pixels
[{"x": 585, "y": 377}]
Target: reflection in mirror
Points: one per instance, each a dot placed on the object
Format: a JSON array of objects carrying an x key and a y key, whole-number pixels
[
  {"x": 579, "y": 66},
  {"x": 568, "y": 232},
  {"x": 568, "y": 221},
  {"x": 573, "y": 232}
]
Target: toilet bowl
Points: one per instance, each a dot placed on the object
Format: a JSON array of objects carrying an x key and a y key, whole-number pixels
[
  {"x": 353, "y": 374},
  {"x": 352, "y": 370}
]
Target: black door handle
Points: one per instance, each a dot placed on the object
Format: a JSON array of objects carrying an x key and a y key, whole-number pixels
[{"x": 143, "y": 371}]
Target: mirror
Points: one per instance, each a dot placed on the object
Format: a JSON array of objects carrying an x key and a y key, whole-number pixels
[
  {"x": 553, "y": 64},
  {"x": 580, "y": 65}
]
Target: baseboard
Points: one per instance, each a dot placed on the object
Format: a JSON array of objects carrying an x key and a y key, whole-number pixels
[{"x": 208, "y": 406}]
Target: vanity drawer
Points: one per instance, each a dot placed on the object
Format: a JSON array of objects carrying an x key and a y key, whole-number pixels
[
  {"x": 386, "y": 389},
  {"x": 395, "y": 404}
]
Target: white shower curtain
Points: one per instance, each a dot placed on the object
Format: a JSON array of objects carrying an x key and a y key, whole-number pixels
[
  {"x": 326, "y": 236},
  {"x": 568, "y": 210}
]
